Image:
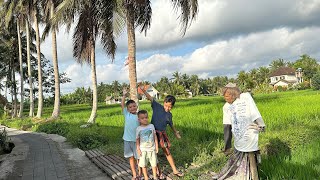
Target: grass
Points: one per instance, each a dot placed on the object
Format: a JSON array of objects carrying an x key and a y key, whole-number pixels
[{"x": 290, "y": 146}]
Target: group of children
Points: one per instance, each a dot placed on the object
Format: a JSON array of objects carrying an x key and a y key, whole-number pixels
[{"x": 142, "y": 140}]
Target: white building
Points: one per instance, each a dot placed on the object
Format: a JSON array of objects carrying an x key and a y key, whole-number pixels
[
  {"x": 285, "y": 76},
  {"x": 151, "y": 90}
]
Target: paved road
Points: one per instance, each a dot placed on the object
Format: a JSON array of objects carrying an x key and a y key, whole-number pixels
[{"x": 39, "y": 156}]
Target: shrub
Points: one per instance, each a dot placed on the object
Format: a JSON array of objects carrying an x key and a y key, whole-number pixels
[
  {"x": 4, "y": 142},
  {"x": 88, "y": 138},
  {"x": 316, "y": 81},
  {"x": 61, "y": 128}
]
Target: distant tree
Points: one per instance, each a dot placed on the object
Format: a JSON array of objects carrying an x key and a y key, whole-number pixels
[
  {"x": 263, "y": 75},
  {"x": 245, "y": 81},
  {"x": 276, "y": 64},
  {"x": 163, "y": 85},
  {"x": 316, "y": 81},
  {"x": 309, "y": 66},
  {"x": 177, "y": 78},
  {"x": 185, "y": 80},
  {"x": 195, "y": 85}
]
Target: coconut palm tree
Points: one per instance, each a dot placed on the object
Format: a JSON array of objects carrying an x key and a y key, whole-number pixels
[
  {"x": 138, "y": 14},
  {"x": 94, "y": 19},
  {"x": 49, "y": 8},
  {"x": 32, "y": 8},
  {"x": 12, "y": 13}
]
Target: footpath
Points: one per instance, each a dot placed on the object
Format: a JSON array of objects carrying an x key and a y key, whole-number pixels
[{"x": 40, "y": 156}]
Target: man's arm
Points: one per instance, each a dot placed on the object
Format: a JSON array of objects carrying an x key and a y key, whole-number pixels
[{"x": 145, "y": 92}]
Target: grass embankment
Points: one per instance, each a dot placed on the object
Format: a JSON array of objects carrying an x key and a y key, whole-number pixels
[{"x": 290, "y": 146}]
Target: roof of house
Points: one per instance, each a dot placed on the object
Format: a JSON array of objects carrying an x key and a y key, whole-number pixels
[
  {"x": 283, "y": 71},
  {"x": 146, "y": 87}
]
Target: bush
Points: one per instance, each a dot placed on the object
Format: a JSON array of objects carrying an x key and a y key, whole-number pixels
[
  {"x": 4, "y": 142},
  {"x": 61, "y": 128},
  {"x": 88, "y": 138},
  {"x": 316, "y": 81},
  {"x": 281, "y": 88}
]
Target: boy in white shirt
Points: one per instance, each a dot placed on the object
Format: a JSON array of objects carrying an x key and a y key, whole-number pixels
[{"x": 147, "y": 144}]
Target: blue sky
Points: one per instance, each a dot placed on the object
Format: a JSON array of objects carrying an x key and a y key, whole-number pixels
[{"x": 227, "y": 36}]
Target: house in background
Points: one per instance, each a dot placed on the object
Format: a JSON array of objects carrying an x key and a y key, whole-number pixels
[
  {"x": 151, "y": 90},
  {"x": 112, "y": 100},
  {"x": 285, "y": 76}
]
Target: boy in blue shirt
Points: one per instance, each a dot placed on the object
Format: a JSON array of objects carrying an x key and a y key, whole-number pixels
[
  {"x": 161, "y": 117},
  {"x": 129, "y": 110}
]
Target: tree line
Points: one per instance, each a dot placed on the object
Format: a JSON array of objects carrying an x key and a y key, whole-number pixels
[{"x": 256, "y": 80}]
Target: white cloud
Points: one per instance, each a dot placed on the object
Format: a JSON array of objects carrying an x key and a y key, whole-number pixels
[
  {"x": 227, "y": 36},
  {"x": 246, "y": 52},
  {"x": 216, "y": 20},
  {"x": 228, "y": 18},
  {"x": 224, "y": 58},
  {"x": 64, "y": 45}
]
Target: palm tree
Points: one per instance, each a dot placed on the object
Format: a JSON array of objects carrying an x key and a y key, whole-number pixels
[
  {"x": 95, "y": 18},
  {"x": 138, "y": 14},
  {"x": 176, "y": 77},
  {"x": 13, "y": 13},
  {"x": 32, "y": 9},
  {"x": 49, "y": 8},
  {"x": 275, "y": 64},
  {"x": 263, "y": 75}
]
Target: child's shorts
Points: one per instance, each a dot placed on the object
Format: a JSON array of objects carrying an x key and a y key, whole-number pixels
[
  {"x": 130, "y": 149},
  {"x": 148, "y": 156}
]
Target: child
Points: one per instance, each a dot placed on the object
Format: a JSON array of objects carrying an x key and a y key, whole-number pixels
[
  {"x": 129, "y": 135},
  {"x": 147, "y": 144},
  {"x": 160, "y": 118}
]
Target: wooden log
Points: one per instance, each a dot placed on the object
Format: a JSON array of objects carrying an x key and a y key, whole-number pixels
[{"x": 253, "y": 166}]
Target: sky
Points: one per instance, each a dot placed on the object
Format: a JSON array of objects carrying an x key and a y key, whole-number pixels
[{"x": 226, "y": 37}]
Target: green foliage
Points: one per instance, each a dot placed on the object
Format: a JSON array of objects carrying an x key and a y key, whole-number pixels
[
  {"x": 4, "y": 141},
  {"x": 309, "y": 66},
  {"x": 56, "y": 127},
  {"x": 87, "y": 138},
  {"x": 24, "y": 124},
  {"x": 263, "y": 89},
  {"x": 316, "y": 81}
]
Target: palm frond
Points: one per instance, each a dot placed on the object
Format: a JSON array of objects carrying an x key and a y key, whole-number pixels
[
  {"x": 106, "y": 25},
  {"x": 83, "y": 36},
  {"x": 189, "y": 10},
  {"x": 143, "y": 14}
]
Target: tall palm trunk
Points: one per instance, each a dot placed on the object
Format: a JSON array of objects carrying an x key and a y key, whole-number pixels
[
  {"x": 14, "y": 86},
  {"x": 31, "y": 112},
  {"x": 132, "y": 53},
  {"x": 94, "y": 84},
  {"x": 21, "y": 72},
  {"x": 56, "y": 109},
  {"x": 40, "y": 93}
]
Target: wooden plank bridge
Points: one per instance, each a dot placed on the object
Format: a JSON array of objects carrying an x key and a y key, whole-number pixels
[{"x": 118, "y": 167}]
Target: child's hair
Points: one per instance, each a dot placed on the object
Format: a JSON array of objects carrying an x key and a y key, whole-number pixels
[
  {"x": 170, "y": 99},
  {"x": 142, "y": 112},
  {"x": 130, "y": 102}
]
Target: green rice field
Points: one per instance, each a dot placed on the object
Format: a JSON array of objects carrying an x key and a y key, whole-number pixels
[{"x": 290, "y": 147}]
